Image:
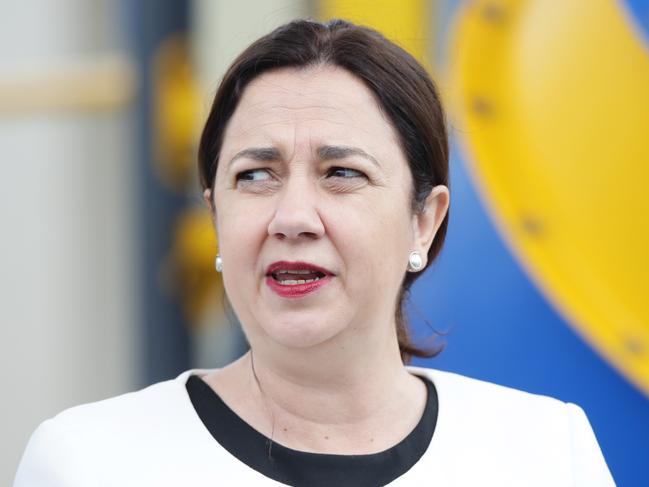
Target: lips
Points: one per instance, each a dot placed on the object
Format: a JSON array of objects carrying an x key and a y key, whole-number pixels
[
  {"x": 282, "y": 270},
  {"x": 296, "y": 279}
]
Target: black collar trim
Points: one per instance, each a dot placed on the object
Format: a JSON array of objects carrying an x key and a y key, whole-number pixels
[{"x": 294, "y": 467}]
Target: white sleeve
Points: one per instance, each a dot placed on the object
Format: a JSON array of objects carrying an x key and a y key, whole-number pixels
[
  {"x": 588, "y": 464},
  {"x": 48, "y": 460}
]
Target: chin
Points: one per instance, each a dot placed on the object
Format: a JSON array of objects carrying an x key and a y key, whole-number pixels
[{"x": 300, "y": 333}]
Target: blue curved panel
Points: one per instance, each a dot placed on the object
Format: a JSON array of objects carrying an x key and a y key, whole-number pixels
[
  {"x": 502, "y": 330},
  {"x": 639, "y": 11}
]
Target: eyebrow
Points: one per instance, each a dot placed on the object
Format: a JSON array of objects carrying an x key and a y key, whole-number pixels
[
  {"x": 263, "y": 154},
  {"x": 329, "y": 152},
  {"x": 325, "y": 153}
]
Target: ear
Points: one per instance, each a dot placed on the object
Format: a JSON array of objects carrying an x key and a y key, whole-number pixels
[
  {"x": 428, "y": 220},
  {"x": 209, "y": 201},
  {"x": 207, "y": 197}
]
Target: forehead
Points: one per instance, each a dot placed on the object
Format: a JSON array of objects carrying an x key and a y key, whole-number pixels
[{"x": 321, "y": 102}]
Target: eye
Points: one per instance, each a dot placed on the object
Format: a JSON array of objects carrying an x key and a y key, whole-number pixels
[
  {"x": 253, "y": 175},
  {"x": 345, "y": 172}
]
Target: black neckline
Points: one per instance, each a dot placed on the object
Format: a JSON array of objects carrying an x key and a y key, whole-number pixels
[{"x": 294, "y": 467}]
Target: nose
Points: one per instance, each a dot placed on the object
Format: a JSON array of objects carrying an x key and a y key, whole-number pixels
[{"x": 296, "y": 214}]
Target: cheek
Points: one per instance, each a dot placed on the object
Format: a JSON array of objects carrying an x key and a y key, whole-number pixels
[
  {"x": 240, "y": 236},
  {"x": 373, "y": 241}
]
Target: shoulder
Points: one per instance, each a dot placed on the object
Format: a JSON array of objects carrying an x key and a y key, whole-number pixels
[
  {"x": 506, "y": 429},
  {"x": 459, "y": 387},
  {"x": 473, "y": 400},
  {"x": 139, "y": 410},
  {"x": 486, "y": 411},
  {"x": 124, "y": 429}
]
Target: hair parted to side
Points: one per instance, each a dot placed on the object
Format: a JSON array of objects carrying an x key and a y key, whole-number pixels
[{"x": 402, "y": 87}]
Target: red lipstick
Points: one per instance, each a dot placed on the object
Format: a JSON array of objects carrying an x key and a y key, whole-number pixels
[{"x": 281, "y": 280}]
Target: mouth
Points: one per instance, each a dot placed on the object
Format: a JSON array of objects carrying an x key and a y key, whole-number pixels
[{"x": 296, "y": 273}]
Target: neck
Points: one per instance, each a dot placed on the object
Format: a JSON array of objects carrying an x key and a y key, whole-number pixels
[
  {"x": 337, "y": 364},
  {"x": 321, "y": 401}
]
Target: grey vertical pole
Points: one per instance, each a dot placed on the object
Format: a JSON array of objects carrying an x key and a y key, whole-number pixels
[{"x": 165, "y": 336}]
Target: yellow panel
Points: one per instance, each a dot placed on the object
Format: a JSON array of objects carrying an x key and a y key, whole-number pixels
[
  {"x": 553, "y": 99},
  {"x": 176, "y": 103},
  {"x": 189, "y": 268},
  {"x": 404, "y": 22}
]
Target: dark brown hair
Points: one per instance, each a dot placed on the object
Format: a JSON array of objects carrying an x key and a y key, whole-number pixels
[{"x": 402, "y": 87}]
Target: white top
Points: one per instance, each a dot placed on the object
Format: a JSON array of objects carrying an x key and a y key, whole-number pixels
[{"x": 486, "y": 435}]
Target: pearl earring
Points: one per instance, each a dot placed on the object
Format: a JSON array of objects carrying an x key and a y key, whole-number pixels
[
  {"x": 415, "y": 262},
  {"x": 218, "y": 263}
]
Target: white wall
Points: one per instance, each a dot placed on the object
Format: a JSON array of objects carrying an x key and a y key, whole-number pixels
[
  {"x": 68, "y": 282},
  {"x": 222, "y": 29}
]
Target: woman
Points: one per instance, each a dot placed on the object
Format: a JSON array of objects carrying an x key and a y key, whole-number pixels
[{"x": 324, "y": 162}]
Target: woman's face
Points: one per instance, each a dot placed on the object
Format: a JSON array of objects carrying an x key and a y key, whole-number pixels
[{"x": 312, "y": 184}]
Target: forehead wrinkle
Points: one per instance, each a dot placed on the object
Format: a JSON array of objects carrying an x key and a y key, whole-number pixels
[
  {"x": 256, "y": 126},
  {"x": 263, "y": 109},
  {"x": 256, "y": 110},
  {"x": 240, "y": 129}
]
